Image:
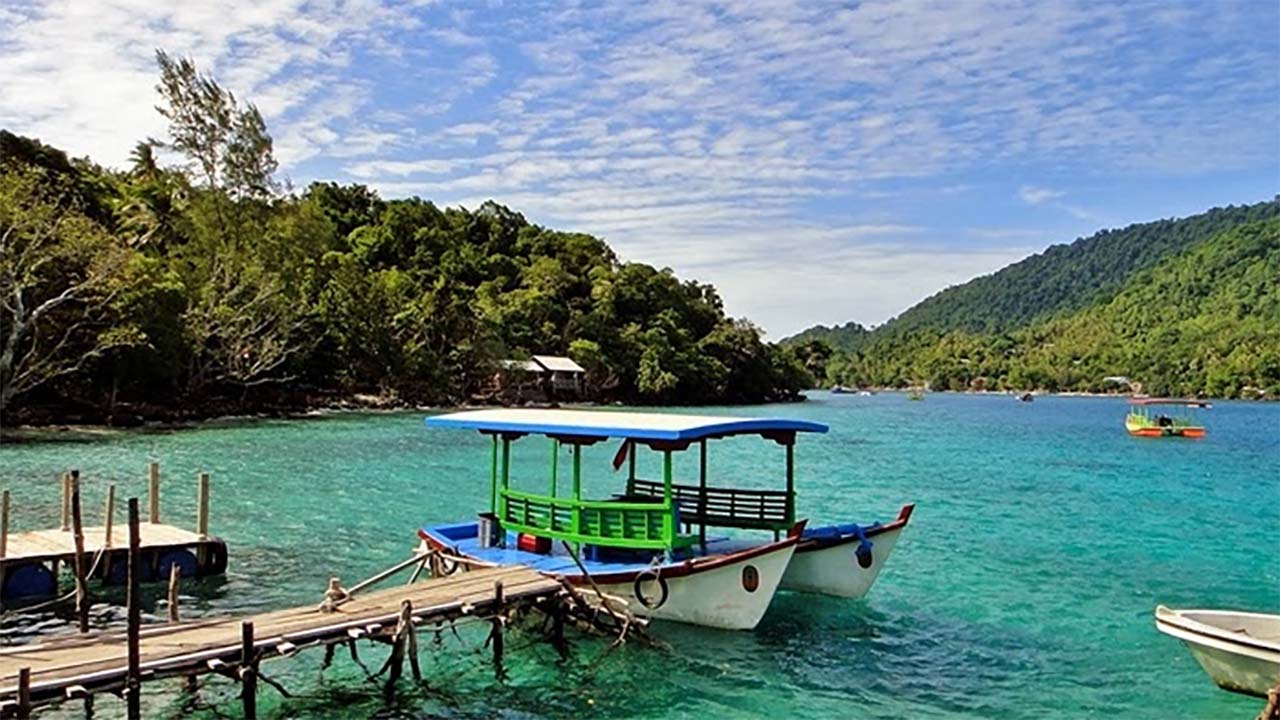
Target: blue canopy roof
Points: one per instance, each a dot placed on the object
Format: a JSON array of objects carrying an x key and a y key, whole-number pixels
[{"x": 607, "y": 424}]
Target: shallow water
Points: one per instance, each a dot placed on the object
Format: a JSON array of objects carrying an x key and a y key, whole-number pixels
[{"x": 1043, "y": 538}]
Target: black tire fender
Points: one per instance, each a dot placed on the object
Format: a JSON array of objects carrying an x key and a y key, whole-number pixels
[{"x": 662, "y": 586}]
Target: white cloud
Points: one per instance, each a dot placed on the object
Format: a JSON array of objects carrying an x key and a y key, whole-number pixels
[{"x": 1035, "y": 195}]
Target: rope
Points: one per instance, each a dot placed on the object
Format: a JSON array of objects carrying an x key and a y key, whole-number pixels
[{"x": 97, "y": 558}]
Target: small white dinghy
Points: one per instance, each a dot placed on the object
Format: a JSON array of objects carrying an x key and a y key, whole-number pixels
[{"x": 1240, "y": 651}]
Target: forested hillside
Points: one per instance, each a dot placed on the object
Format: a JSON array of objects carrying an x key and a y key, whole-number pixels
[
  {"x": 1060, "y": 280},
  {"x": 204, "y": 288},
  {"x": 1205, "y": 321}
]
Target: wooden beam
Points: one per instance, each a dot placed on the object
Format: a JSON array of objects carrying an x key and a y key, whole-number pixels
[
  {"x": 153, "y": 491},
  {"x": 77, "y": 527},
  {"x": 133, "y": 603}
]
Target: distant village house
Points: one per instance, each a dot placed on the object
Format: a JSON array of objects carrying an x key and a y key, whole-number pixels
[{"x": 542, "y": 378}]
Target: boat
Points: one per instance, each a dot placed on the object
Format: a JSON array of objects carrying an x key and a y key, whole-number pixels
[
  {"x": 842, "y": 390},
  {"x": 649, "y": 543},
  {"x": 1143, "y": 421},
  {"x": 1026, "y": 397},
  {"x": 915, "y": 394},
  {"x": 1239, "y": 651}
]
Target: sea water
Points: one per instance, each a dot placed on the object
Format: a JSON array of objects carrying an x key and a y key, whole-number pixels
[{"x": 1042, "y": 540}]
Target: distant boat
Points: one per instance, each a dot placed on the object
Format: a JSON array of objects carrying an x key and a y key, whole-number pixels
[
  {"x": 865, "y": 393},
  {"x": 842, "y": 390},
  {"x": 1026, "y": 397},
  {"x": 915, "y": 394},
  {"x": 1142, "y": 421},
  {"x": 1239, "y": 651}
]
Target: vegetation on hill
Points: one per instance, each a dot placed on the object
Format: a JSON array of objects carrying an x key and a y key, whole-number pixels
[
  {"x": 1061, "y": 280},
  {"x": 204, "y": 288},
  {"x": 1204, "y": 321}
]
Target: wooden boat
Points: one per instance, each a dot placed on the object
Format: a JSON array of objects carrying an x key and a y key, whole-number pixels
[
  {"x": 1240, "y": 651},
  {"x": 1143, "y": 421},
  {"x": 650, "y": 544}
]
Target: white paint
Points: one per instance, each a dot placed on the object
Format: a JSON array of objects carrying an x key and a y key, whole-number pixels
[
  {"x": 835, "y": 570},
  {"x": 1213, "y": 637},
  {"x": 713, "y": 598}
]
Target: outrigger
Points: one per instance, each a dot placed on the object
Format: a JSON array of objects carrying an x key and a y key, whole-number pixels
[
  {"x": 651, "y": 542},
  {"x": 1144, "y": 422}
]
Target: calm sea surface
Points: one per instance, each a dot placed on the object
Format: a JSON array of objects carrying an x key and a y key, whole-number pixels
[{"x": 1043, "y": 538}]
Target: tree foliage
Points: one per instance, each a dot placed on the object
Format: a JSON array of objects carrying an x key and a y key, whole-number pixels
[
  {"x": 202, "y": 288},
  {"x": 1204, "y": 321}
]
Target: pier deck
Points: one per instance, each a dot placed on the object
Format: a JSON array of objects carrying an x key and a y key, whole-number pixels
[
  {"x": 56, "y": 544},
  {"x": 78, "y": 665}
]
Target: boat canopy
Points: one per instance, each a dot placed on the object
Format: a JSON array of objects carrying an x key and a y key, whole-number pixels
[
  {"x": 1170, "y": 401},
  {"x": 616, "y": 424}
]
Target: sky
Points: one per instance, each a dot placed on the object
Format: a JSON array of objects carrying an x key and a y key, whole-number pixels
[{"x": 818, "y": 162}]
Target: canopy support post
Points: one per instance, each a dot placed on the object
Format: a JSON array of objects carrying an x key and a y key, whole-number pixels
[
  {"x": 791, "y": 482},
  {"x": 493, "y": 478},
  {"x": 506, "y": 477},
  {"x": 577, "y": 492},
  {"x": 555, "y": 464},
  {"x": 702, "y": 492},
  {"x": 668, "y": 530}
]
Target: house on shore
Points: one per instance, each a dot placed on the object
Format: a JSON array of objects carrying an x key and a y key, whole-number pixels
[{"x": 540, "y": 379}]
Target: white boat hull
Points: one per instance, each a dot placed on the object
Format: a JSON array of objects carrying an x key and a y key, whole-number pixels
[
  {"x": 835, "y": 570},
  {"x": 731, "y": 592},
  {"x": 1240, "y": 652}
]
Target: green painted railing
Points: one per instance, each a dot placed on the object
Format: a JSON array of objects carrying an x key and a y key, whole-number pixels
[{"x": 592, "y": 522}]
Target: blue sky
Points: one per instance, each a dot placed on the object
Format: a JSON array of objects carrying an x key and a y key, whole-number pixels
[{"x": 818, "y": 162}]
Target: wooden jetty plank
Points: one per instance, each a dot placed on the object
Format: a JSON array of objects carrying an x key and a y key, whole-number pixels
[
  {"x": 50, "y": 544},
  {"x": 101, "y": 659}
]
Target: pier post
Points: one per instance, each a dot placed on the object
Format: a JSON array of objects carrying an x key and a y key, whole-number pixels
[
  {"x": 109, "y": 516},
  {"x": 175, "y": 576},
  {"x": 496, "y": 633},
  {"x": 248, "y": 672},
  {"x": 77, "y": 524},
  {"x": 24, "y": 693},
  {"x": 133, "y": 602},
  {"x": 202, "y": 519},
  {"x": 4, "y": 524},
  {"x": 66, "y": 502},
  {"x": 4, "y": 537},
  {"x": 153, "y": 491}
]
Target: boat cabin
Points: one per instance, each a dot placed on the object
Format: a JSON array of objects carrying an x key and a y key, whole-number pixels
[{"x": 658, "y": 514}]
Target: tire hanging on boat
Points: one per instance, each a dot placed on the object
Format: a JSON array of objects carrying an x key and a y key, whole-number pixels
[{"x": 662, "y": 587}]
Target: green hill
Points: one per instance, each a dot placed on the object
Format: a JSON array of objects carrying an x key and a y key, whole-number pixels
[
  {"x": 1203, "y": 321},
  {"x": 1062, "y": 279}
]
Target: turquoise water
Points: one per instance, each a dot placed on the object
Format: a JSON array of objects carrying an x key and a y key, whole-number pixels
[{"x": 1043, "y": 538}]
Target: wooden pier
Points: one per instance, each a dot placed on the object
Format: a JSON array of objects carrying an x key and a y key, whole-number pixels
[
  {"x": 80, "y": 666},
  {"x": 30, "y": 561}
]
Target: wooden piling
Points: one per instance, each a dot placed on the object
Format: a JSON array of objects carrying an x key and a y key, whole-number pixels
[
  {"x": 175, "y": 576},
  {"x": 153, "y": 491},
  {"x": 77, "y": 525},
  {"x": 248, "y": 672},
  {"x": 109, "y": 515},
  {"x": 202, "y": 518},
  {"x": 24, "y": 693},
  {"x": 66, "y": 502},
  {"x": 4, "y": 537},
  {"x": 133, "y": 602},
  {"x": 496, "y": 636}
]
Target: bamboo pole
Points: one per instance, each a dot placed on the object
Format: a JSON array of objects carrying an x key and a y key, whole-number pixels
[
  {"x": 77, "y": 524},
  {"x": 202, "y": 506},
  {"x": 248, "y": 672},
  {"x": 66, "y": 502},
  {"x": 133, "y": 680},
  {"x": 4, "y": 524},
  {"x": 153, "y": 491},
  {"x": 175, "y": 577}
]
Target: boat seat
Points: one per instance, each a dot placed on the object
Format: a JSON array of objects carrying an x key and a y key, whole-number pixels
[{"x": 720, "y": 507}]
